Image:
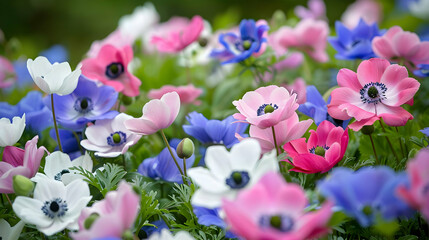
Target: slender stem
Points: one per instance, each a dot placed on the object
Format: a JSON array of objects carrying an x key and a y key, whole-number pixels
[
  {"x": 119, "y": 104},
  {"x": 373, "y": 149},
  {"x": 275, "y": 140},
  {"x": 285, "y": 172},
  {"x": 390, "y": 143},
  {"x": 184, "y": 166},
  {"x": 55, "y": 123},
  {"x": 171, "y": 153},
  {"x": 400, "y": 142},
  {"x": 78, "y": 142},
  {"x": 165, "y": 220},
  {"x": 8, "y": 199}
]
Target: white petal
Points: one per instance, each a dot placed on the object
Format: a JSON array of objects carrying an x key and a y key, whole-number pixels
[
  {"x": 84, "y": 161},
  {"x": 245, "y": 154},
  {"x": 55, "y": 163},
  {"x": 268, "y": 163},
  {"x": 30, "y": 211},
  {"x": 208, "y": 181},
  {"x": 55, "y": 78},
  {"x": 218, "y": 160},
  {"x": 206, "y": 199},
  {"x": 10, "y": 132},
  {"x": 70, "y": 82},
  {"x": 48, "y": 189},
  {"x": 39, "y": 67},
  {"x": 75, "y": 191}
]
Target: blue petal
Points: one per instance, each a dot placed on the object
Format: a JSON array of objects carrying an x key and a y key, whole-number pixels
[
  {"x": 248, "y": 29},
  {"x": 216, "y": 130},
  {"x": 344, "y": 34}
]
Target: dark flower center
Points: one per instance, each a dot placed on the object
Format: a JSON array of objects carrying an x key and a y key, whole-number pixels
[
  {"x": 60, "y": 174},
  {"x": 373, "y": 93},
  {"x": 55, "y": 208},
  {"x": 266, "y": 108},
  {"x": 203, "y": 42},
  {"x": 114, "y": 70},
  {"x": 283, "y": 223},
  {"x": 83, "y": 105},
  {"x": 238, "y": 179},
  {"x": 319, "y": 150},
  {"x": 116, "y": 138}
]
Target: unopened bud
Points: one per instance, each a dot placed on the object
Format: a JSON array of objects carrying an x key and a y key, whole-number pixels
[
  {"x": 22, "y": 185},
  {"x": 367, "y": 130},
  {"x": 90, "y": 220},
  {"x": 128, "y": 235},
  {"x": 185, "y": 149}
]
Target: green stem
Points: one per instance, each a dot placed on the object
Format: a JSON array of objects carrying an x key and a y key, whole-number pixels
[
  {"x": 400, "y": 142},
  {"x": 55, "y": 123},
  {"x": 275, "y": 140},
  {"x": 390, "y": 143},
  {"x": 8, "y": 199},
  {"x": 184, "y": 166},
  {"x": 172, "y": 155},
  {"x": 307, "y": 70},
  {"x": 377, "y": 162},
  {"x": 78, "y": 142}
]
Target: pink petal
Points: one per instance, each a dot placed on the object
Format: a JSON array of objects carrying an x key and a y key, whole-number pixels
[
  {"x": 332, "y": 156},
  {"x": 371, "y": 70},
  {"x": 357, "y": 125},
  {"x": 402, "y": 93},
  {"x": 141, "y": 126},
  {"x": 405, "y": 43},
  {"x": 393, "y": 116},
  {"x": 347, "y": 78},
  {"x": 383, "y": 48},
  {"x": 323, "y": 131},
  {"x": 422, "y": 54}
]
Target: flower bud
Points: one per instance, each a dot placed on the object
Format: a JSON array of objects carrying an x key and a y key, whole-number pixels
[
  {"x": 22, "y": 185},
  {"x": 90, "y": 220},
  {"x": 367, "y": 130},
  {"x": 128, "y": 235},
  {"x": 185, "y": 149}
]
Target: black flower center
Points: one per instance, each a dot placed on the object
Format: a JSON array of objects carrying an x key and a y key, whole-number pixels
[
  {"x": 116, "y": 138},
  {"x": 83, "y": 105},
  {"x": 203, "y": 42},
  {"x": 319, "y": 150},
  {"x": 282, "y": 223},
  {"x": 238, "y": 179},
  {"x": 60, "y": 174},
  {"x": 114, "y": 70},
  {"x": 266, "y": 108},
  {"x": 55, "y": 208},
  {"x": 373, "y": 93}
]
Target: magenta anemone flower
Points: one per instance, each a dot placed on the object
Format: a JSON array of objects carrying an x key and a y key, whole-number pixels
[
  {"x": 376, "y": 91},
  {"x": 323, "y": 150},
  {"x": 157, "y": 114},
  {"x": 266, "y": 106},
  {"x": 16, "y": 161},
  {"x": 417, "y": 195},
  {"x": 110, "y": 67},
  {"x": 179, "y": 35},
  {"x": 402, "y": 47},
  {"x": 274, "y": 209},
  {"x": 187, "y": 94}
]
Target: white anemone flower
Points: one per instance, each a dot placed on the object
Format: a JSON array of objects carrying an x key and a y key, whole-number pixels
[
  {"x": 54, "y": 206},
  {"x": 10, "y": 132},
  {"x": 10, "y": 233},
  {"x": 165, "y": 234},
  {"x": 420, "y": 9},
  {"x": 109, "y": 137},
  {"x": 53, "y": 78},
  {"x": 139, "y": 22},
  {"x": 230, "y": 172},
  {"x": 58, "y": 164}
]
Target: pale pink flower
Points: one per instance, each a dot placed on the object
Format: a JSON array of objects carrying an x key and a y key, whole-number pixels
[
  {"x": 157, "y": 114},
  {"x": 178, "y": 34},
  {"x": 187, "y": 94},
  {"x": 323, "y": 150},
  {"x": 274, "y": 209},
  {"x": 298, "y": 87},
  {"x": 377, "y": 90},
  {"x": 116, "y": 38},
  {"x": 266, "y": 106},
  {"x": 116, "y": 214},
  {"x": 417, "y": 195},
  {"x": 286, "y": 131},
  {"x": 316, "y": 10},
  {"x": 309, "y": 36},
  {"x": 368, "y": 10},
  {"x": 7, "y": 73},
  {"x": 402, "y": 47},
  {"x": 110, "y": 67},
  {"x": 16, "y": 161}
]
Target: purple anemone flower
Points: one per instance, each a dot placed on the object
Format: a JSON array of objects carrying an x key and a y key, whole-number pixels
[{"x": 88, "y": 102}]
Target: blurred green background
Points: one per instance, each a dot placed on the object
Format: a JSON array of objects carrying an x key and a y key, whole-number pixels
[{"x": 38, "y": 24}]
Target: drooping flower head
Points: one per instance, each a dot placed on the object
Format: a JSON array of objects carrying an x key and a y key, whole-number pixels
[
  {"x": 401, "y": 47},
  {"x": 273, "y": 209},
  {"x": 417, "y": 194},
  {"x": 54, "y": 207},
  {"x": 109, "y": 137},
  {"x": 266, "y": 106},
  {"x": 188, "y": 94},
  {"x": 377, "y": 90},
  {"x": 53, "y": 78},
  {"x": 114, "y": 215},
  {"x": 16, "y": 161},
  {"x": 354, "y": 43},
  {"x": 323, "y": 150},
  {"x": 11, "y": 131},
  {"x": 7, "y": 73},
  {"x": 227, "y": 173},
  {"x": 366, "y": 193},
  {"x": 238, "y": 48},
  {"x": 174, "y": 39},
  {"x": 157, "y": 114},
  {"x": 88, "y": 102},
  {"x": 110, "y": 67}
]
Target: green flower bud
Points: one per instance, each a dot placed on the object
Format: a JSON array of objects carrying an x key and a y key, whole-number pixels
[
  {"x": 22, "y": 186},
  {"x": 128, "y": 235},
  {"x": 367, "y": 130},
  {"x": 185, "y": 149},
  {"x": 90, "y": 220}
]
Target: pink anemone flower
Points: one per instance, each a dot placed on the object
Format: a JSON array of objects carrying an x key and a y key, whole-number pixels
[
  {"x": 274, "y": 209},
  {"x": 16, "y": 161},
  {"x": 417, "y": 195},
  {"x": 180, "y": 35},
  {"x": 286, "y": 131},
  {"x": 116, "y": 38},
  {"x": 377, "y": 90},
  {"x": 115, "y": 214},
  {"x": 369, "y": 10},
  {"x": 7, "y": 73},
  {"x": 187, "y": 94},
  {"x": 325, "y": 148},
  {"x": 401, "y": 46},
  {"x": 157, "y": 114},
  {"x": 266, "y": 106},
  {"x": 110, "y": 67}
]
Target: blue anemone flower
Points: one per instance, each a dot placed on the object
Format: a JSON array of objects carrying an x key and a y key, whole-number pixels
[
  {"x": 70, "y": 141},
  {"x": 56, "y": 53},
  {"x": 86, "y": 103},
  {"x": 366, "y": 193},
  {"x": 209, "y": 217},
  {"x": 317, "y": 108},
  {"x": 38, "y": 116},
  {"x": 354, "y": 43},
  {"x": 239, "y": 48},
  {"x": 163, "y": 166},
  {"x": 422, "y": 71},
  {"x": 425, "y": 131}
]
